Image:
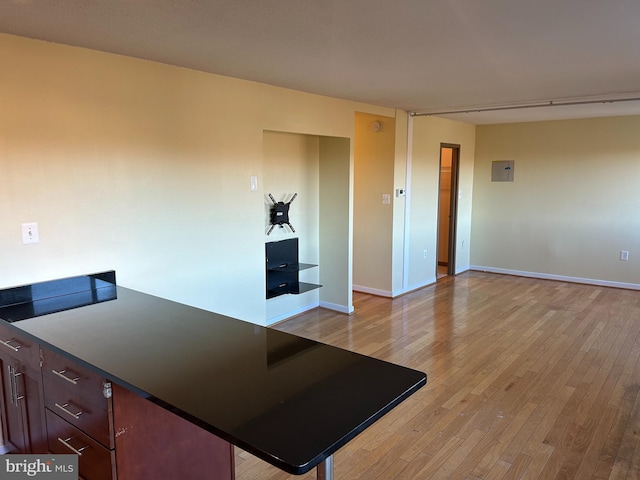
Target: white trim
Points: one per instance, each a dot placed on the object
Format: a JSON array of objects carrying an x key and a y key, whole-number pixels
[
  {"x": 417, "y": 286},
  {"x": 291, "y": 313},
  {"x": 407, "y": 205},
  {"x": 562, "y": 278},
  {"x": 372, "y": 291},
  {"x": 337, "y": 308},
  {"x": 395, "y": 293}
]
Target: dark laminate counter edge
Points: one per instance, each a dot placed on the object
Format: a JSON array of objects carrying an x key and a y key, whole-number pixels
[
  {"x": 294, "y": 470},
  {"x": 110, "y": 377},
  {"x": 77, "y": 360},
  {"x": 132, "y": 388},
  {"x": 343, "y": 441},
  {"x": 417, "y": 380},
  {"x": 275, "y": 461}
]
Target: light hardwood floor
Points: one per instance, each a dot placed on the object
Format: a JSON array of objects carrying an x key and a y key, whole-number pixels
[{"x": 527, "y": 379}]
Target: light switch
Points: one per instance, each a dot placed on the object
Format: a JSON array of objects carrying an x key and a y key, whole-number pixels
[
  {"x": 30, "y": 233},
  {"x": 254, "y": 183}
]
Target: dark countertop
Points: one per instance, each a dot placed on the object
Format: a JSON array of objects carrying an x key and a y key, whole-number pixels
[{"x": 290, "y": 401}]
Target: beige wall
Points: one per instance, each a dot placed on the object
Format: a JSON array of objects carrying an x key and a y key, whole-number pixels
[
  {"x": 374, "y": 159},
  {"x": 336, "y": 225},
  {"x": 573, "y": 205},
  {"x": 428, "y": 134},
  {"x": 144, "y": 168}
]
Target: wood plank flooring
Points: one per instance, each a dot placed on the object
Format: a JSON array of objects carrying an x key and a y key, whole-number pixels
[{"x": 527, "y": 379}]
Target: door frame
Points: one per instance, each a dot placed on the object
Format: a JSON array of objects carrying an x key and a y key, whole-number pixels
[{"x": 453, "y": 204}]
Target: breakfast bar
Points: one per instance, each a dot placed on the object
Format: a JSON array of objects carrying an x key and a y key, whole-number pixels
[{"x": 290, "y": 401}]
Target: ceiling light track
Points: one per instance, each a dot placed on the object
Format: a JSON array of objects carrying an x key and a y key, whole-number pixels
[{"x": 549, "y": 103}]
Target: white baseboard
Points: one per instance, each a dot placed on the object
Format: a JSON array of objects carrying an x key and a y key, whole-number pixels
[
  {"x": 395, "y": 293},
  {"x": 372, "y": 291},
  {"x": 562, "y": 278},
  {"x": 291, "y": 313},
  {"x": 338, "y": 308},
  {"x": 417, "y": 286}
]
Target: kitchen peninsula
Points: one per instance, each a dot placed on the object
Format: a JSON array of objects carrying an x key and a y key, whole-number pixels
[{"x": 290, "y": 401}]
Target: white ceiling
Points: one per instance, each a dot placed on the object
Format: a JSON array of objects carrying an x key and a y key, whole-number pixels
[{"x": 417, "y": 55}]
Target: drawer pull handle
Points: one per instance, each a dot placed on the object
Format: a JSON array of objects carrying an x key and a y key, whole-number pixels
[
  {"x": 6, "y": 343},
  {"x": 64, "y": 406},
  {"x": 61, "y": 374},
  {"x": 13, "y": 385},
  {"x": 17, "y": 374},
  {"x": 65, "y": 442}
]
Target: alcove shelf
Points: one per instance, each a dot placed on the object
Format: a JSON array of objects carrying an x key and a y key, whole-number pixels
[{"x": 283, "y": 268}]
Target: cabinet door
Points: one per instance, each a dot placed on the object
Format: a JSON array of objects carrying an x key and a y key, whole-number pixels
[
  {"x": 16, "y": 439},
  {"x": 33, "y": 409},
  {"x": 23, "y": 409}
]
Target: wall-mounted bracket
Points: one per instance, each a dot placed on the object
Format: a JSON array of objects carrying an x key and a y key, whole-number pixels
[{"x": 279, "y": 214}]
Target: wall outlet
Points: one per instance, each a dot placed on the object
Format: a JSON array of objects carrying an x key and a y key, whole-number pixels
[
  {"x": 30, "y": 233},
  {"x": 424, "y": 254},
  {"x": 624, "y": 255},
  {"x": 386, "y": 198}
]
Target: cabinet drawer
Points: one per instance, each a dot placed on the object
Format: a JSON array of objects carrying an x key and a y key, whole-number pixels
[
  {"x": 19, "y": 346},
  {"x": 78, "y": 409},
  {"x": 76, "y": 379},
  {"x": 94, "y": 460}
]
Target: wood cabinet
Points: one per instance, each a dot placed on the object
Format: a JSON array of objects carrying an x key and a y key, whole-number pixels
[
  {"x": 120, "y": 435},
  {"x": 95, "y": 461},
  {"x": 22, "y": 411},
  {"x": 79, "y": 417},
  {"x": 153, "y": 443},
  {"x": 51, "y": 403}
]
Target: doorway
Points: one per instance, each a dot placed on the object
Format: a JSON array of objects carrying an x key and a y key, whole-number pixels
[{"x": 447, "y": 209}]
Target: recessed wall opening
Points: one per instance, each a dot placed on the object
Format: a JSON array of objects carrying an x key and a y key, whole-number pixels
[{"x": 316, "y": 168}]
